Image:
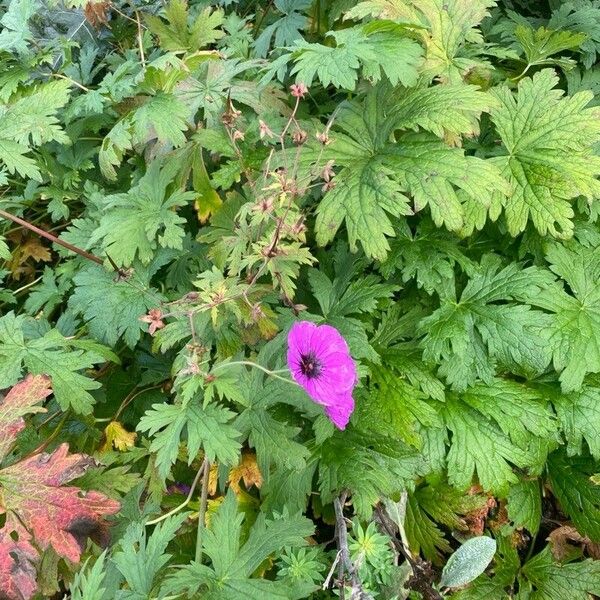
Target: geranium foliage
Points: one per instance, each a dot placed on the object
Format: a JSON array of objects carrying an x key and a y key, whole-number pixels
[{"x": 297, "y": 297}]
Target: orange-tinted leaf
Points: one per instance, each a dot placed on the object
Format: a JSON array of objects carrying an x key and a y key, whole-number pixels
[
  {"x": 247, "y": 471},
  {"x": 213, "y": 479},
  {"x": 18, "y": 402}
]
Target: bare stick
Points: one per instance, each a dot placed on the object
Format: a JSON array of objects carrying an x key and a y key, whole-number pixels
[
  {"x": 346, "y": 562},
  {"x": 51, "y": 237},
  {"x": 202, "y": 511},
  {"x": 139, "y": 39}
]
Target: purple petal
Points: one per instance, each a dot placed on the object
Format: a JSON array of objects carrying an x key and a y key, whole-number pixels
[
  {"x": 300, "y": 337},
  {"x": 337, "y": 371},
  {"x": 339, "y": 413},
  {"x": 328, "y": 340}
]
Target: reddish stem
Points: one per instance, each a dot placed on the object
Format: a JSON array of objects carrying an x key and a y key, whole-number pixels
[{"x": 51, "y": 237}]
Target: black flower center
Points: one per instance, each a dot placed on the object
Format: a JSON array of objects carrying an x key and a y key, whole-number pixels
[{"x": 310, "y": 365}]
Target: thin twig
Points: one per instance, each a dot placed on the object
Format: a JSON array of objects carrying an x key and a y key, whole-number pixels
[
  {"x": 51, "y": 237},
  {"x": 50, "y": 438},
  {"x": 75, "y": 83},
  {"x": 27, "y": 286},
  {"x": 140, "y": 39},
  {"x": 423, "y": 575},
  {"x": 202, "y": 510},
  {"x": 331, "y": 570},
  {"x": 132, "y": 396},
  {"x": 183, "y": 504}
]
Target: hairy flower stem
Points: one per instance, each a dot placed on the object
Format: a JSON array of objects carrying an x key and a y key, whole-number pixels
[
  {"x": 202, "y": 511},
  {"x": 249, "y": 363}
]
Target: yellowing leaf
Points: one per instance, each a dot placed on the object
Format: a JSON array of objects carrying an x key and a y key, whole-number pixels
[
  {"x": 247, "y": 471},
  {"x": 213, "y": 479},
  {"x": 208, "y": 200},
  {"x": 117, "y": 437}
]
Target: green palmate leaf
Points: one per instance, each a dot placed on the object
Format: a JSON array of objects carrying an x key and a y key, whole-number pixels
[
  {"x": 285, "y": 29},
  {"x": 494, "y": 427},
  {"x": 178, "y": 34},
  {"x": 140, "y": 557},
  {"x": 287, "y": 488},
  {"x": 89, "y": 585},
  {"x": 553, "y": 581},
  {"x": 575, "y": 321},
  {"x": 395, "y": 408},
  {"x": 542, "y": 43},
  {"x": 446, "y": 27},
  {"x": 577, "y": 495},
  {"x": 205, "y": 428},
  {"x": 431, "y": 506},
  {"x": 429, "y": 256},
  {"x": 486, "y": 326},
  {"x": 549, "y": 160},
  {"x": 380, "y": 49},
  {"x": 525, "y": 505},
  {"x": 442, "y": 109},
  {"x": 135, "y": 224},
  {"x": 30, "y": 121},
  {"x": 407, "y": 360},
  {"x": 51, "y": 354},
  {"x": 113, "y": 308},
  {"x": 151, "y": 117},
  {"x": 15, "y": 33},
  {"x": 369, "y": 466},
  {"x": 273, "y": 441},
  {"x": 581, "y": 16},
  {"x": 377, "y": 174},
  {"x": 233, "y": 562},
  {"x": 579, "y": 416}
]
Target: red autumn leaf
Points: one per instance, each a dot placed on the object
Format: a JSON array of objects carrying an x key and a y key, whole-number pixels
[
  {"x": 40, "y": 511},
  {"x": 20, "y": 401},
  {"x": 17, "y": 562}
]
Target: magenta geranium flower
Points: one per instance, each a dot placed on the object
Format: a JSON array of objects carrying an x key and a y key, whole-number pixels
[{"x": 320, "y": 362}]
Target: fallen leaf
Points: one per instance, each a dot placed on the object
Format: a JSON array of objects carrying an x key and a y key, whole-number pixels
[
  {"x": 34, "y": 249},
  {"x": 96, "y": 13},
  {"x": 561, "y": 547},
  {"x": 117, "y": 437}
]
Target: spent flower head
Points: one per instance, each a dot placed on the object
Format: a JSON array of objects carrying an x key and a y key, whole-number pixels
[{"x": 298, "y": 90}]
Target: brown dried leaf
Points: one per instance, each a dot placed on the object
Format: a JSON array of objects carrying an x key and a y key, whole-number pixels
[
  {"x": 561, "y": 547},
  {"x": 96, "y": 13},
  {"x": 247, "y": 471}
]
